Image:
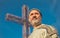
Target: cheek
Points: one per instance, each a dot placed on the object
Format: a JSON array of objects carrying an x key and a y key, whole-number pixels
[
  {"x": 39, "y": 17},
  {"x": 30, "y": 18}
]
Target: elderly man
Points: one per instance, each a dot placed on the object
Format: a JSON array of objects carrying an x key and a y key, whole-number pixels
[{"x": 40, "y": 30}]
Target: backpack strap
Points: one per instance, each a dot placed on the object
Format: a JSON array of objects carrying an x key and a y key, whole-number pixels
[{"x": 54, "y": 31}]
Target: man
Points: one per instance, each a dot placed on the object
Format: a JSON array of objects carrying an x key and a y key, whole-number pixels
[{"x": 40, "y": 30}]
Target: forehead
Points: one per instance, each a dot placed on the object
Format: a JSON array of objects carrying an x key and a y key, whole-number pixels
[{"x": 34, "y": 11}]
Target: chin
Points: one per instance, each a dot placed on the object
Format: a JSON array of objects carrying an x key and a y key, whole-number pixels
[{"x": 35, "y": 22}]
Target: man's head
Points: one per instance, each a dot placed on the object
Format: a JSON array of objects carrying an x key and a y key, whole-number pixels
[{"x": 35, "y": 17}]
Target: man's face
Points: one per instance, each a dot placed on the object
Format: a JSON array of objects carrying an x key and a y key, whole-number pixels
[{"x": 34, "y": 17}]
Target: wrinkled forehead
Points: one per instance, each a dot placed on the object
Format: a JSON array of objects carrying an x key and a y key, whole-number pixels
[{"x": 34, "y": 11}]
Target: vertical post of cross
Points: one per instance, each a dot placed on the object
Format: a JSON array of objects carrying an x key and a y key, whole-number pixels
[{"x": 25, "y": 20}]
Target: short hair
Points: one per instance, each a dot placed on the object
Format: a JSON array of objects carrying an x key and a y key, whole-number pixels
[{"x": 36, "y": 10}]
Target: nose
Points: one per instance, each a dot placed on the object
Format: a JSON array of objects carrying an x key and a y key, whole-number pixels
[{"x": 34, "y": 16}]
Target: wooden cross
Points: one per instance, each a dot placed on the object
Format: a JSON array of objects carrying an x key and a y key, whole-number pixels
[{"x": 23, "y": 20}]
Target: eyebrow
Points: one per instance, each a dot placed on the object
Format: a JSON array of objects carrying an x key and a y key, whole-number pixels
[
  {"x": 31, "y": 13},
  {"x": 36, "y": 13}
]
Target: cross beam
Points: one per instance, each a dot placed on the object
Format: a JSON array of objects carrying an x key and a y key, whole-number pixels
[{"x": 23, "y": 20}]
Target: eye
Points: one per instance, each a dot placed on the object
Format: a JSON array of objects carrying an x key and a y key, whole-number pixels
[
  {"x": 31, "y": 14},
  {"x": 36, "y": 13}
]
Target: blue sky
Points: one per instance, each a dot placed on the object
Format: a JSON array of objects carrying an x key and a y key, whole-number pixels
[{"x": 50, "y": 10}]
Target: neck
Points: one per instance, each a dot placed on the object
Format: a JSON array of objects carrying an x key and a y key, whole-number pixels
[{"x": 37, "y": 25}]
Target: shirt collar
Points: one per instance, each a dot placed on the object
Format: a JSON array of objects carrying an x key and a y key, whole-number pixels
[{"x": 37, "y": 27}]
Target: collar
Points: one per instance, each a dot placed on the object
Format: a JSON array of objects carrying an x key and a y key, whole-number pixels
[{"x": 38, "y": 27}]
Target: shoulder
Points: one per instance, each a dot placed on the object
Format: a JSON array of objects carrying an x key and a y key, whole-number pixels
[
  {"x": 49, "y": 28},
  {"x": 52, "y": 30}
]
